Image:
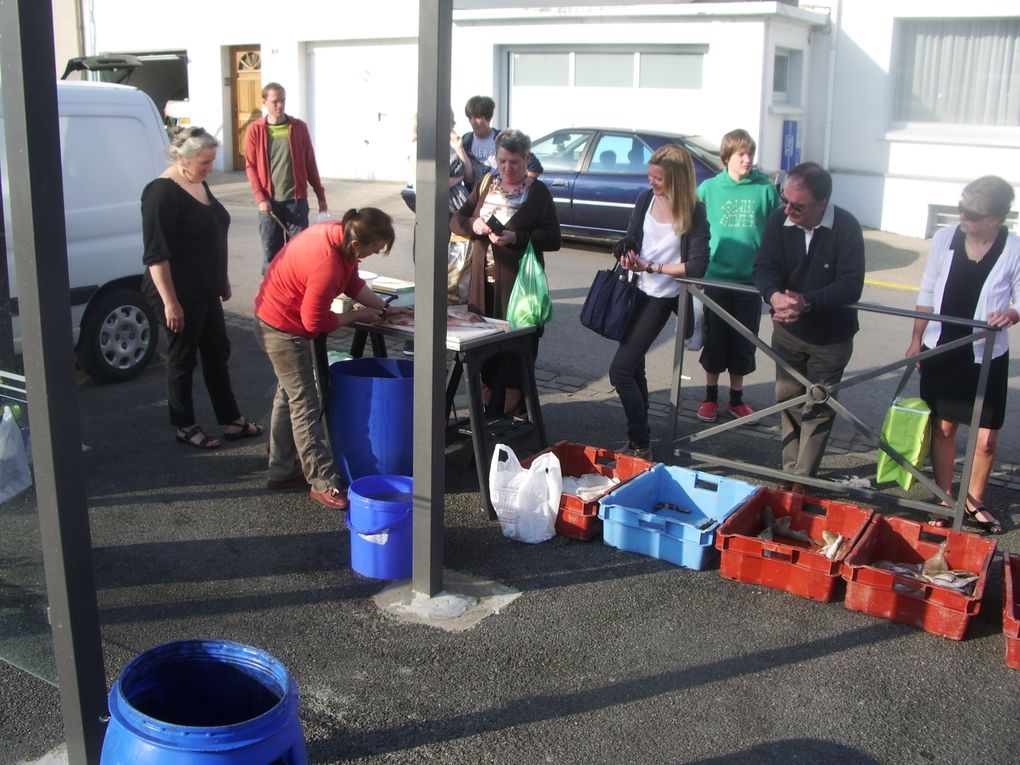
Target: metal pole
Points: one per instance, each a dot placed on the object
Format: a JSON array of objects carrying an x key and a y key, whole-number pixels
[
  {"x": 34, "y": 212},
  {"x": 435, "y": 28}
]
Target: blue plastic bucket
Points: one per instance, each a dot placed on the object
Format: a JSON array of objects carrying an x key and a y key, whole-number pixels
[
  {"x": 371, "y": 417},
  {"x": 380, "y": 522},
  {"x": 204, "y": 702}
]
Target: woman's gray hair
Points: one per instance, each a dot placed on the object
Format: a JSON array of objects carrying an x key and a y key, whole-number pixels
[
  {"x": 996, "y": 193},
  {"x": 187, "y": 142},
  {"x": 514, "y": 141}
]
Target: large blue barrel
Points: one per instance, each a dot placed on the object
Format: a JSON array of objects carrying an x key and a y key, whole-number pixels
[
  {"x": 381, "y": 528},
  {"x": 371, "y": 417},
  {"x": 204, "y": 702}
]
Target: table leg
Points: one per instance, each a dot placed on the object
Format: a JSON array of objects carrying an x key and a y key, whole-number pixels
[
  {"x": 480, "y": 440},
  {"x": 358, "y": 343},
  {"x": 453, "y": 378},
  {"x": 531, "y": 400}
]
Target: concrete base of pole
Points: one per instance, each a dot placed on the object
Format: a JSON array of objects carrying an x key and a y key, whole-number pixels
[{"x": 463, "y": 604}]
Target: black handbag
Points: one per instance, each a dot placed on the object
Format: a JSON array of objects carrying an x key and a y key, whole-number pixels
[{"x": 610, "y": 302}]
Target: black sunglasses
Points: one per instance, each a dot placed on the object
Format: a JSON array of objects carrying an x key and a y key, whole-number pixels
[
  {"x": 972, "y": 215},
  {"x": 795, "y": 206}
]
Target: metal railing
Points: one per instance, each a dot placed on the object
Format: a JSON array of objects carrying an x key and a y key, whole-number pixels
[{"x": 945, "y": 505}]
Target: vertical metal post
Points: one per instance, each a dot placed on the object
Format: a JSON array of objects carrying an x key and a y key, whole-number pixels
[
  {"x": 36, "y": 238},
  {"x": 435, "y": 22},
  {"x": 678, "y": 368},
  {"x": 972, "y": 432},
  {"x": 8, "y": 361}
]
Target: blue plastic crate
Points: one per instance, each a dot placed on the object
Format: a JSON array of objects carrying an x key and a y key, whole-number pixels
[
  {"x": 671, "y": 513},
  {"x": 653, "y": 543}
]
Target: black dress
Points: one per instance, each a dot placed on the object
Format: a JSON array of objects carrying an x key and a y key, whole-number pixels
[{"x": 949, "y": 381}]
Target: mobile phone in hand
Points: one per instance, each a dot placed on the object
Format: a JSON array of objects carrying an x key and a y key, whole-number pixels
[{"x": 495, "y": 224}]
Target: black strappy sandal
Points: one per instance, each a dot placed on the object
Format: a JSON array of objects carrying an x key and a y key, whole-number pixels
[
  {"x": 188, "y": 436},
  {"x": 993, "y": 526},
  {"x": 248, "y": 429}
]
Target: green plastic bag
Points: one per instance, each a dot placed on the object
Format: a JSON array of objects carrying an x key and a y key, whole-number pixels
[
  {"x": 906, "y": 429},
  {"x": 529, "y": 304}
]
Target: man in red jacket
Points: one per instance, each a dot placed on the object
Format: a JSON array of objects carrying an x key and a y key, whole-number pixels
[{"x": 280, "y": 163}]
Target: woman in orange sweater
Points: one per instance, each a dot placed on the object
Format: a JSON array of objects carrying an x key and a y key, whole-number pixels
[{"x": 291, "y": 308}]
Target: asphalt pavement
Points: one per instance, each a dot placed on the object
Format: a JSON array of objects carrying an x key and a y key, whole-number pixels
[{"x": 607, "y": 656}]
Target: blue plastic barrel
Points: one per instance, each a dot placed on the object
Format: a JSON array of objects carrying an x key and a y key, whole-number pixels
[
  {"x": 381, "y": 529},
  {"x": 204, "y": 702},
  {"x": 371, "y": 417}
]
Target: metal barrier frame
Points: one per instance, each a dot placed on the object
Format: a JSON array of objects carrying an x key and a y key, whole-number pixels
[{"x": 953, "y": 509}]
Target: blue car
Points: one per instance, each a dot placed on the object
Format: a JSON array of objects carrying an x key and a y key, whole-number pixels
[{"x": 596, "y": 174}]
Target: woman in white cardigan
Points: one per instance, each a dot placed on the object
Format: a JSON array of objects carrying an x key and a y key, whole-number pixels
[{"x": 973, "y": 272}]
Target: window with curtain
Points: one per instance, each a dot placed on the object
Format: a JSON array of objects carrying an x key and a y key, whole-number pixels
[{"x": 958, "y": 71}]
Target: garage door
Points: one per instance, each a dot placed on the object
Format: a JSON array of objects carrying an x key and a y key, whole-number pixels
[
  {"x": 362, "y": 100},
  {"x": 652, "y": 87}
]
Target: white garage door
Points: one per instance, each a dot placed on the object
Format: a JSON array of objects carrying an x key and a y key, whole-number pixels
[
  {"x": 362, "y": 100},
  {"x": 654, "y": 87}
]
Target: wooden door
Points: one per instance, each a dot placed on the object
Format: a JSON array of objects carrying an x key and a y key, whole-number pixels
[{"x": 245, "y": 94}]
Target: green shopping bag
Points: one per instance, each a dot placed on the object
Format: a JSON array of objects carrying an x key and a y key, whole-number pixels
[
  {"x": 529, "y": 304},
  {"x": 906, "y": 429}
]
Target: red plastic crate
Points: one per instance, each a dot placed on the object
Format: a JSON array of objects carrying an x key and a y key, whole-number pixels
[
  {"x": 788, "y": 564},
  {"x": 577, "y": 518},
  {"x": 882, "y": 593},
  {"x": 1011, "y": 609}
]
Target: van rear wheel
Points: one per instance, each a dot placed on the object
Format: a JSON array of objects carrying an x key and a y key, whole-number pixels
[{"x": 118, "y": 336}]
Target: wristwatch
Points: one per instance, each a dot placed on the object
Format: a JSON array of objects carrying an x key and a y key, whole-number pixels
[{"x": 648, "y": 268}]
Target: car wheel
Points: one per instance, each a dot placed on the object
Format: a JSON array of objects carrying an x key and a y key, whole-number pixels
[{"x": 118, "y": 336}]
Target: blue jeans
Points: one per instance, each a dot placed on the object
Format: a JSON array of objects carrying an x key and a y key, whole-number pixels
[
  {"x": 627, "y": 370},
  {"x": 293, "y": 214}
]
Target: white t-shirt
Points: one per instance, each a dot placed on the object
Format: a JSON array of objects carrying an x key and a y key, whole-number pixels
[{"x": 659, "y": 245}]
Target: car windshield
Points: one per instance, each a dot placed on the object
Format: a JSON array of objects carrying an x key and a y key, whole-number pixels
[
  {"x": 704, "y": 150},
  {"x": 562, "y": 151}
]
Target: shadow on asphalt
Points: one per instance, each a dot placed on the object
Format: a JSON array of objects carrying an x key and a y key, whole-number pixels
[
  {"x": 549, "y": 707},
  {"x": 882, "y": 256}
]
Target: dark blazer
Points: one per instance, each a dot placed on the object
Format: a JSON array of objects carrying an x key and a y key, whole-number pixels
[
  {"x": 535, "y": 222},
  {"x": 830, "y": 275},
  {"x": 694, "y": 248}
]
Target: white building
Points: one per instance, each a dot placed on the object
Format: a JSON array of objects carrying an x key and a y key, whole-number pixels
[{"x": 904, "y": 101}]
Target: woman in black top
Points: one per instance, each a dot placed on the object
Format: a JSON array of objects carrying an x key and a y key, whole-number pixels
[
  {"x": 184, "y": 229},
  {"x": 973, "y": 272},
  {"x": 667, "y": 237}
]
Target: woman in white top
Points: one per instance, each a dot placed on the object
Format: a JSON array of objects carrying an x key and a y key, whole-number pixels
[
  {"x": 973, "y": 272},
  {"x": 667, "y": 237}
]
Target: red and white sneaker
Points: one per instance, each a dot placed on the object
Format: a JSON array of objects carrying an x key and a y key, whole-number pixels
[
  {"x": 708, "y": 411},
  {"x": 740, "y": 410}
]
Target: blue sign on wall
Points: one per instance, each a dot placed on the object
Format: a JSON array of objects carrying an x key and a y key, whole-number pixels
[{"x": 791, "y": 145}]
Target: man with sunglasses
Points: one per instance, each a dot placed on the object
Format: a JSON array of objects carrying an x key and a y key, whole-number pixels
[{"x": 809, "y": 270}]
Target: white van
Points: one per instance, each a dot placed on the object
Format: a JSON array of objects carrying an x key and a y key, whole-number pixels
[{"x": 112, "y": 143}]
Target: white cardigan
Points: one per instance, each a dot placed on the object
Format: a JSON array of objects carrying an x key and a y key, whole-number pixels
[{"x": 1001, "y": 288}]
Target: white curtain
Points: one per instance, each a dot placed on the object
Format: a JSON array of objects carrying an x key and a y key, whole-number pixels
[{"x": 960, "y": 71}]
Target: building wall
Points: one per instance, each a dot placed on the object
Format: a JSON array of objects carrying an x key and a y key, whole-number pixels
[{"x": 887, "y": 173}]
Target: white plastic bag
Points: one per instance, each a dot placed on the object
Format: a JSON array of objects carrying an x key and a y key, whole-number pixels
[
  {"x": 15, "y": 476},
  {"x": 526, "y": 500}
]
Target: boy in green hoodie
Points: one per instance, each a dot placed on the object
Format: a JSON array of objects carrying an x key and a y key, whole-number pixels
[{"x": 739, "y": 200}]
